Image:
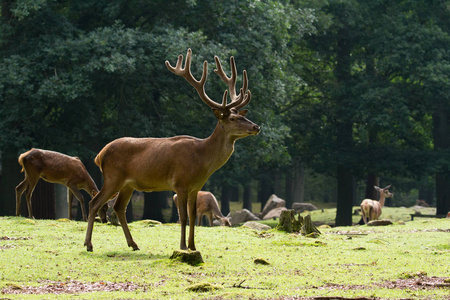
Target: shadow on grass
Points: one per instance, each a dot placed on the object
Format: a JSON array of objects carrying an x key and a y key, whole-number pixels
[{"x": 124, "y": 255}]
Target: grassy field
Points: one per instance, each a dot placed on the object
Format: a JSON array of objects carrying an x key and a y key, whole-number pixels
[{"x": 46, "y": 259}]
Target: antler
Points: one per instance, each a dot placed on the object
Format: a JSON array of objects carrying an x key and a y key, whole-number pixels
[
  {"x": 244, "y": 97},
  {"x": 237, "y": 101}
]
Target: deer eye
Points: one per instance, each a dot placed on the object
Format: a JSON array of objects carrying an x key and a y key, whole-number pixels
[{"x": 232, "y": 119}]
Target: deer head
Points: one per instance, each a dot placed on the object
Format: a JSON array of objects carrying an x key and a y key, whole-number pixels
[{"x": 227, "y": 113}]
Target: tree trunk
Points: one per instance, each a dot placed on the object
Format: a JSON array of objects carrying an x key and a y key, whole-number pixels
[
  {"x": 43, "y": 201},
  {"x": 426, "y": 194},
  {"x": 371, "y": 181},
  {"x": 344, "y": 197},
  {"x": 265, "y": 189},
  {"x": 225, "y": 199},
  {"x": 154, "y": 202},
  {"x": 129, "y": 212},
  {"x": 234, "y": 194},
  {"x": 344, "y": 125},
  {"x": 299, "y": 184},
  {"x": 247, "y": 201},
  {"x": 174, "y": 216},
  {"x": 10, "y": 178},
  {"x": 289, "y": 187},
  {"x": 277, "y": 189},
  {"x": 441, "y": 133}
]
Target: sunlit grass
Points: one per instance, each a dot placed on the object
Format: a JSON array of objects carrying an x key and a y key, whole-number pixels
[{"x": 33, "y": 252}]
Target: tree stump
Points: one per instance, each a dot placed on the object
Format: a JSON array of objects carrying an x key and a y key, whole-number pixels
[
  {"x": 191, "y": 257},
  {"x": 308, "y": 227},
  {"x": 289, "y": 223},
  {"x": 287, "y": 218}
]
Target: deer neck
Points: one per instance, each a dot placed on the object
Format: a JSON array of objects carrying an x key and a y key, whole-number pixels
[
  {"x": 382, "y": 199},
  {"x": 90, "y": 186},
  {"x": 219, "y": 146}
]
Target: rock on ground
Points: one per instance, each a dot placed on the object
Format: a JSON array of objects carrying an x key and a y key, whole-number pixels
[
  {"x": 274, "y": 213},
  {"x": 301, "y": 207},
  {"x": 257, "y": 226},
  {"x": 272, "y": 203},
  {"x": 242, "y": 216}
]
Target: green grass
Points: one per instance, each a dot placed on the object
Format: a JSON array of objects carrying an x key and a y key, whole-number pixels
[{"x": 45, "y": 252}]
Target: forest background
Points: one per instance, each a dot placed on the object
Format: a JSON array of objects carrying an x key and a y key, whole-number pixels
[{"x": 349, "y": 94}]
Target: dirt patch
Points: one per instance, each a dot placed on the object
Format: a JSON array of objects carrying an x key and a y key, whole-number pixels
[
  {"x": 72, "y": 287},
  {"x": 75, "y": 287},
  {"x": 414, "y": 282},
  {"x": 6, "y": 238},
  {"x": 419, "y": 282}
]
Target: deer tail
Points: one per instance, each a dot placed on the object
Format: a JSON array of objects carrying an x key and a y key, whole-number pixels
[
  {"x": 98, "y": 160},
  {"x": 22, "y": 157}
]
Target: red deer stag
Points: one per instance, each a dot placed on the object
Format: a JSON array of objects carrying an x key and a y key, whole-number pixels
[
  {"x": 207, "y": 205},
  {"x": 371, "y": 209},
  {"x": 181, "y": 164},
  {"x": 54, "y": 167}
]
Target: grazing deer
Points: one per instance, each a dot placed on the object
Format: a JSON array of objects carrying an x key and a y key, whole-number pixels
[
  {"x": 54, "y": 167},
  {"x": 422, "y": 203},
  {"x": 371, "y": 209},
  {"x": 207, "y": 205},
  {"x": 181, "y": 164}
]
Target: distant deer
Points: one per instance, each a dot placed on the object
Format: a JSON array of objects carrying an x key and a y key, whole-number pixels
[
  {"x": 422, "y": 203},
  {"x": 54, "y": 167},
  {"x": 181, "y": 164},
  {"x": 371, "y": 209},
  {"x": 207, "y": 205}
]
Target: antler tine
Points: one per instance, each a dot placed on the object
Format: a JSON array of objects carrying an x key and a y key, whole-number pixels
[
  {"x": 199, "y": 85},
  {"x": 236, "y": 100},
  {"x": 247, "y": 98}
]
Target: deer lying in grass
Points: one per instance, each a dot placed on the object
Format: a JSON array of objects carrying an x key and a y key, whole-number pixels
[
  {"x": 181, "y": 164},
  {"x": 54, "y": 167},
  {"x": 371, "y": 209},
  {"x": 207, "y": 205}
]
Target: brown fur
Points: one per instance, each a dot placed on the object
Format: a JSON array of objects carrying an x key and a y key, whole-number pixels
[
  {"x": 53, "y": 167},
  {"x": 422, "y": 203},
  {"x": 181, "y": 164},
  {"x": 371, "y": 209},
  {"x": 207, "y": 205}
]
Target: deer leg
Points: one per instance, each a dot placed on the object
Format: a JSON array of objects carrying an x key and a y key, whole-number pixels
[
  {"x": 28, "y": 194},
  {"x": 211, "y": 220},
  {"x": 102, "y": 213},
  {"x": 363, "y": 215},
  {"x": 69, "y": 203},
  {"x": 94, "y": 206},
  {"x": 192, "y": 211},
  {"x": 199, "y": 219},
  {"x": 19, "y": 191},
  {"x": 182, "y": 213},
  {"x": 80, "y": 198},
  {"x": 120, "y": 207}
]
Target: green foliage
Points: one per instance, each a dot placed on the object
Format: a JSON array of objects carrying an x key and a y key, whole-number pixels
[
  {"x": 334, "y": 83},
  {"x": 89, "y": 80}
]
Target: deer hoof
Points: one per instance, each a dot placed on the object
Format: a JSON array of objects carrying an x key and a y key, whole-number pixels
[
  {"x": 88, "y": 247},
  {"x": 134, "y": 246}
]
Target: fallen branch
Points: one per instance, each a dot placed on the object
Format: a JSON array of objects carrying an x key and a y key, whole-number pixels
[{"x": 240, "y": 286}]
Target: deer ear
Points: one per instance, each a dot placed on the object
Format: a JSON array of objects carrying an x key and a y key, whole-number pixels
[
  {"x": 243, "y": 112},
  {"x": 217, "y": 113},
  {"x": 377, "y": 188}
]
